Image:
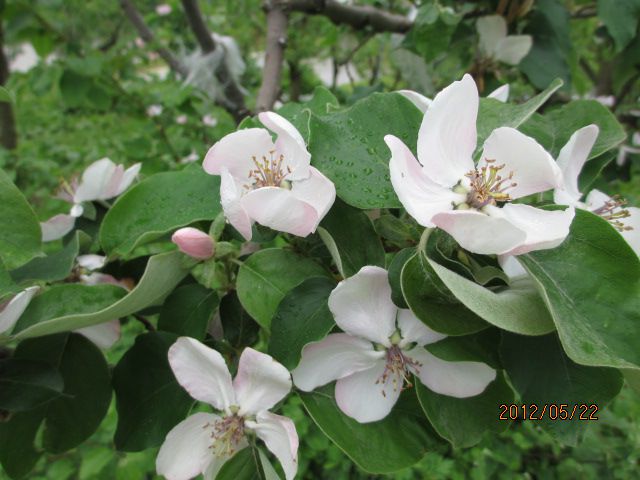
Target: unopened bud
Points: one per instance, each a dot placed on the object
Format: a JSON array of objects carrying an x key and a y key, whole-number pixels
[{"x": 194, "y": 243}]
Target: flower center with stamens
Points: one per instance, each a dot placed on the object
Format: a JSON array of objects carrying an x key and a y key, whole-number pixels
[
  {"x": 397, "y": 368},
  {"x": 612, "y": 211},
  {"x": 269, "y": 172},
  {"x": 487, "y": 187},
  {"x": 226, "y": 433}
]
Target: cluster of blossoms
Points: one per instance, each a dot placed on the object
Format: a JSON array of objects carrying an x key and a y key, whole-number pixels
[{"x": 382, "y": 348}]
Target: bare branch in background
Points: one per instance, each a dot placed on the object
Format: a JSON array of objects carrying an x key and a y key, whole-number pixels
[
  {"x": 357, "y": 16},
  {"x": 234, "y": 97},
  {"x": 146, "y": 34},
  {"x": 8, "y": 134},
  {"x": 274, "y": 55}
]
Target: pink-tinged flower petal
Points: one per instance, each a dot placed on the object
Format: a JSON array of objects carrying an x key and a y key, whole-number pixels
[
  {"x": 511, "y": 266},
  {"x": 362, "y": 305},
  {"x": 533, "y": 168},
  {"x": 491, "y": 30},
  {"x": 104, "y": 335},
  {"x": 336, "y": 356},
  {"x": 419, "y": 100},
  {"x": 97, "y": 278},
  {"x": 12, "y": 311},
  {"x": 230, "y": 193},
  {"x": 76, "y": 210},
  {"x": 447, "y": 136},
  {"x": 596, "y": 199},
  {"x": 126, "y": 180},
  {"x": 57, "y": 227},
  {"x": 91, "y": 261},
  {"x": 456, "y": 379},
  {"x": 363, "y": 399},
  {"x": 413, "y": 330},
  {"x": 501, "y": 93},
  {"x": 236, "y": 151},
  {"x": 571, "y": 159},
  {"x": 280, "y": 436},
  {"x": 202, "y": 372},
  {"x": 512, "y": 49},
  {"x": 480, "y": 233},
  {"x": 317, "y": 190},
  {"x": 193, "y": 242},
  {"x": 632, "y": 236},
  {"x": 544, "y": 229},
  {"x": 186, "y": 450},
  {"x": 419, "y": 195},
  {"x": 95, "y": 180},
  {"x": 289, "y": 143},
  {"x": 279, "y": 209},
  {"x": 260, "y": 383}
]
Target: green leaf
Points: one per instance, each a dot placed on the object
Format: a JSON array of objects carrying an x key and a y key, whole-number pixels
[
  {"x": 25, "y": 384},
  {"x": 163, "y": 273},
  {"x": 542, "y": 374},
  {"x": 398, "y": 441},
  {"x": 55, "y": 266},
  {"x": 402, "y": 233},
  {"x": 621, "y": 19},
  {"x": 550, "y": 54},
  {"x": 554, "y": 128},
  {"x": 188, "y": 310},
  {"x": 67, "y": 299},
  {"x": 303, "y": 316},
  {"x": 18, "y": 454},
  {"x": 242, "y": 466},
  {"x": 432, "y": 30},
  {"x": 157, "y": 205},
  {"x": 299, "y": 113},
  {"x": 73, "y": 417},
  {"x": 21, "y": 235},
  {"x": 348, "y": 147},
  {"x": 266, "y": 277},
  {"x": 597, "y": 315},
  {"x": 351, "y": 239},
  {"x": 395, "y": 272},
  {"x": 464, "y": 421},
  {"x": 493, "y": 113},
  {"x": 432, "y": 302},
  {"x": 239, "y": 328},
  {"x": 149, "y": 400},
  {"x": 517, "y": 308},
  {"x": 5, "y": 95}
]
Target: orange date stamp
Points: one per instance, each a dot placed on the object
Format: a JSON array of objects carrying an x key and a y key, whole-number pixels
[{"x": 550, "y": 411}]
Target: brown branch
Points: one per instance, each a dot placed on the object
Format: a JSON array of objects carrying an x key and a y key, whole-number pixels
[
  {"x": 356, "y": 16},
  {"x": 234, "y": 98},
  {"x": 146, "y": 34},
  {"x": 8, "y": 133},
  {"x": 274, "y": 56}
]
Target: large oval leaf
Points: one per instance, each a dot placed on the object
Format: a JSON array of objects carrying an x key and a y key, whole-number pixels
[
  {"x": 597, "y": 314},
  {"x": 20, "y": 237},
  {"x": 27, "y": 384},
  {"x": 348, "y": 147},
  {"x": 157, "y": 205},
  {"x": 266, "y": 277},
  {"x": 163, "y": 273}
]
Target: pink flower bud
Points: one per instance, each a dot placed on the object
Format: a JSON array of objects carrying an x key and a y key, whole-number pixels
[{"x": 194, "y": 243}]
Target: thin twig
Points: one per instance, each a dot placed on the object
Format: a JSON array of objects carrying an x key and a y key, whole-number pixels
[
  {"x": 147, "y": 324},
  {"x": 277, "y": 21},
  {"x": 146, "y": 34}
]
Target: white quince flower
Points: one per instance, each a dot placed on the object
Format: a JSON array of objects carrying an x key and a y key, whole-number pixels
[
  {"x": 472, "y": 202},
  {"x": 210, "y": 120},
  {"x": 181, "y": 119},
  {"x": 102, "y": 180},
  {"x": 501, "y": 94},
  {"x": 571, "y": 159},
  {"x": 381, "y": 348},
  {"x": 497, "y": 45},
  {"x": 203, "y": 442},
  {"x": 269, "y": 183},
  {"x": 154, "y": 110}
]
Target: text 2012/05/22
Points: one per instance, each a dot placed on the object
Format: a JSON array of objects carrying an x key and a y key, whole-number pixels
[{"x": 551, "y": 411}]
